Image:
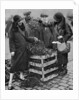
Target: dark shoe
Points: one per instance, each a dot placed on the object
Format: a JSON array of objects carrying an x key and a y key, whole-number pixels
[
  {"x": 10, "y": 88},
  {"x": 64, "y": 72}
]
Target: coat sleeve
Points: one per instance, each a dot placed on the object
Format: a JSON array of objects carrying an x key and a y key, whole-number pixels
[
  {"x": 11, "y": 42},
  {"x": 54, "y": 32},
  {"x": 68, "y": 33},
  {"x": 29, "y": 39}
]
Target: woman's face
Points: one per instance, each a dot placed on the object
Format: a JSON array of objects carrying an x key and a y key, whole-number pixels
[{"x": 21, "y": 25}]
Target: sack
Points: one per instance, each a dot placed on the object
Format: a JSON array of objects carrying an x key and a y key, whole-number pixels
[{"x": 63, "y": 47}]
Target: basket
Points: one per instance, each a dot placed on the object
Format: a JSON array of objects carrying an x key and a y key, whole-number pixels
[{"x": 64, "y": 47}]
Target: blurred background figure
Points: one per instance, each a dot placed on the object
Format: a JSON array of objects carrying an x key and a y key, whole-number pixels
[
  {"x": 8, "y": 25},
  {"x": 27, "y": 16},
  {"x": 70, "y": 22},
  {"x": 30, "y": 25},
  {"x": 44, "y": 18},
  {"x": 26, "y": 20},
  {"x": 70, "y": 18},
  {"x": 45, "y": 30}
]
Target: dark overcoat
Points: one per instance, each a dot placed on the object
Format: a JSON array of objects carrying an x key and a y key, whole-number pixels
[
  {"x": 66, "y": 32},
  {"x": 18, "y": 44},
  {"x": 46, "y": 35}
]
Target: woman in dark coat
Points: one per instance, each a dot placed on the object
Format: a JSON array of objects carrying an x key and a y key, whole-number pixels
[
  {"x": 18, "y": 42},
  {"x": 61, "y": 28}
]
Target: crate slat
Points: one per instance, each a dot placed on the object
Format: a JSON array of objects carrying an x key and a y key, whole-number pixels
[
  {"x": 45, "y": 72},
  {"x": 49, "y": 77},
  {"x": 44, "y": 65},
  {"x": 50, "y": 70},
  {"x": 35, "y": 71}
]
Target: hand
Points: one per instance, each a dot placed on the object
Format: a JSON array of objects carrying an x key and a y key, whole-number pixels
[
  {"x": 59, "y": 37},
  {"x": 36, "y": 39},
  {"x": 56, "y": 42},
  {"x": 12, "y": 53}
]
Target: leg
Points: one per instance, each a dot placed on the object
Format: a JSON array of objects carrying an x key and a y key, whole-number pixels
[
  {"x": 65, "y": 60},
  {"x": 10, "y": 81},
  {"x": 59, "y": 57},
  {"x": 64, "y": 64}
]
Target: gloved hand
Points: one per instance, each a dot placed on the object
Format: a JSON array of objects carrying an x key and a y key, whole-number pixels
[
  {"x": 36, "y": 39},
  {"x": 12, "y": 53},
  {"x": 56, "y": 42},
  {"x": 59, "y": 37}
]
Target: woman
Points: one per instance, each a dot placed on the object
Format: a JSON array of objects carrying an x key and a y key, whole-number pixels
[
  {"x": 18, "y": 42},
  {"x": 63, "y": 30}
]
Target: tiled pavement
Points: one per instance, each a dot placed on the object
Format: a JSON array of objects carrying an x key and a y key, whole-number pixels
[{"x": 58, "y": 83}]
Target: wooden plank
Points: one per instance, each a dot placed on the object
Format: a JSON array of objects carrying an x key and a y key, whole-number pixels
[
  {"x": 35, "y": 64},
  {"x": 43, "y": 72},
  {"x": 49, "y": 77},
  {"x": 49, "y": 63},
  {"x": 35, "y": 71},
  {"x": 50, "y": 70},
  {"x": 42, "y": 68},
  {"x": 44, "y": 64}
]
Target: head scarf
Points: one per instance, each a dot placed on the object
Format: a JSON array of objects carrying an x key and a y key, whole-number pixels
[{"x": 60, "y": 19}]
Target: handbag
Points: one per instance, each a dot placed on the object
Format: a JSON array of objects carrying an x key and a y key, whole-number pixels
[{"x": 63, "y": 47}]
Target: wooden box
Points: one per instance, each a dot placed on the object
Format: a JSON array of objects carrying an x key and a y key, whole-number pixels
[{"x": 44, "y": 65}]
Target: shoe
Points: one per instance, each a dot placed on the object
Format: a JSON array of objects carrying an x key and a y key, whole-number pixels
[
  {"x": 64, "y": 72},
  {"x": 10, "y": 87}
]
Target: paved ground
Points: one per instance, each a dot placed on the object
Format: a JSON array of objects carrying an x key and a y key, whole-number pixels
[{"x": 58, "y": 83}]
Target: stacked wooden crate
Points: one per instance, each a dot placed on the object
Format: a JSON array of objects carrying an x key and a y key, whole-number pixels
[{"x": 44, "y": 65}]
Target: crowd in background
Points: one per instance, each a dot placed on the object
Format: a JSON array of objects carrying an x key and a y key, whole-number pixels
[{"x": 34, "y": 23}]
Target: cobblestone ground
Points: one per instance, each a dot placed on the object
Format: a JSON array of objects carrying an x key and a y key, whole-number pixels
[{"x": 58, "y": 83}]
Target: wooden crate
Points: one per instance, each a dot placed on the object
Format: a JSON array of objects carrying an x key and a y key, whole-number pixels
[{"x": 44, "y": 66}]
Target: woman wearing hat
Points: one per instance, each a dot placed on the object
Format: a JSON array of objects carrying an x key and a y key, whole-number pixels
[{"x": 19, "y": 54}]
